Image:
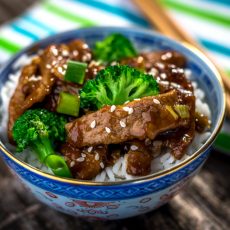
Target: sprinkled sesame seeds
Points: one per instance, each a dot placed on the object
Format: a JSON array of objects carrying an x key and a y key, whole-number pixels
[
  {"x": 80, "y": 159},
  {"x": 102, "y": 165},
  {"x": 112, "y": 108},
  {"x": 163, "y": 75},
  {"x": 75, "y": 52},
  {"x": 90, "y": 149},
  {"x": 137, "y": 99},
  {"x": 130, "y": 110},
  {"x": 72, "y": 163},
  {"x": 83, "y": 154},
  {"x": 108, "y": 130},
  {"x": 60, "y": 70},
  {"x": 55, "y": 51},
  {"x": 133, "y": 147},
  {"x": 122, "y": 124},
  {"x": 126, "y": 109},
  {"x": 156, "y": 101},
  {"x": 48, "y": 66},
  {"x": 93, "y": 124},
  {"x": 97, "y": 157},
  {"x": 65, "y": 53}
]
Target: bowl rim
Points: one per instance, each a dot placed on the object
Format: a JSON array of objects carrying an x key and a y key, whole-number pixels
[{"x": 141, "y": 179}]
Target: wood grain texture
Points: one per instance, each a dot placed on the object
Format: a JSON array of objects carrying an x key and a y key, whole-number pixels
[{"x": 204, "y": 204}]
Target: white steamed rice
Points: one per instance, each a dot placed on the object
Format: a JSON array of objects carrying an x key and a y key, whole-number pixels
[{"x": 116, "y": 172}]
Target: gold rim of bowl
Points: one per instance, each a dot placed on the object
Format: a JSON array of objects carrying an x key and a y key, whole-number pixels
[{"x": 150, "y": 177}]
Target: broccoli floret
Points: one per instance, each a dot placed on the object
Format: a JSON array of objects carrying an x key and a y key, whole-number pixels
[
  {"x": 114, "y": 48},
  {"x": 115, "y": 85},
  {"x": 39, "y": 129}
]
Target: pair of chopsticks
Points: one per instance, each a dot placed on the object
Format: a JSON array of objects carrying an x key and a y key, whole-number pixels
[{"x": 161, "y": 20}]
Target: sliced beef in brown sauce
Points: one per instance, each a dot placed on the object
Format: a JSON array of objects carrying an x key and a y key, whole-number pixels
[
  {"x": 85, "y": 163},
  {"x": 34, "y": 84},
  {"x": 139, "y": 159},
  {"x": 139, "y": 119}
]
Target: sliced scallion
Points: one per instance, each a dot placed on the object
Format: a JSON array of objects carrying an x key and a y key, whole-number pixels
[
  {"x": 182, "y": 110},
  {"x": 172, "y": 112},
  {"x": 75, "y": 72},
  {"x": 68, "y": 104}
]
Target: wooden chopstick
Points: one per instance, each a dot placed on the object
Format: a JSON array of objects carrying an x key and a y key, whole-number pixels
[{"x": 162, "y": 21}]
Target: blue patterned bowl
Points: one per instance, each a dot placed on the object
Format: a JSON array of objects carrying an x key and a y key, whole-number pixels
[{"x": 117, "y": 200}]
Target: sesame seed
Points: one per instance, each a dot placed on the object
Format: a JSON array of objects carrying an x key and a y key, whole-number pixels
[
  {"x": 90, "y": 149},
  {"x": 60, "y": 70},
  {"x": 122, "y": 124},
  {"x": 83, "y": 154},
  {"x": 72, "y": 163},
  {"x": 48, "y": 66},
  {"x": 130, "y": 110},
  {"x": 108, "y": 130},
  {"x": 54, "y": 62},
  {"x": 133, "y": 147},
  {"x": 126, "y": 109},
  {"x": 112, "y": 109},
  {"x": 163, "y": 75},
  {"x": 126, "y": 102},
  {"x": 156, "y": 101},
  {"x": 80, "y": 159},
  {"x": 93, "y": 124},
  {"x": 137, "y": 99},
  {"x": 60, "y": 58},
  {"x": 65, "y": 53},
  {"x": 55, "y": 51},
  {"x": 102, "y": 165},
  {"x": 97, "y": 157},
  {"x": 75, "y": 52}
]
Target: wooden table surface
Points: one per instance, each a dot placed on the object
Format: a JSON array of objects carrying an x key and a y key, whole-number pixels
[{"x": 204, "y": 204}]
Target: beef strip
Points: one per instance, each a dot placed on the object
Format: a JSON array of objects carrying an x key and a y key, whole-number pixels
[
  {"x": 147, "y": 60},
  {"x": 146, "y": 118},
  {"x": 85, "y": 163},
  {"x": 34, "y": 84}
]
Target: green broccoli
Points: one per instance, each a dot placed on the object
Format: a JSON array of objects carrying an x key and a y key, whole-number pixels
[
  {"x": 114, "y": 48},
  {"x": 115, "y": 85},
  {"x": 39, "y": 129}
]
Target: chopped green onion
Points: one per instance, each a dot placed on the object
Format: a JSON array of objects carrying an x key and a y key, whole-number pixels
[
  {"x": 182, "y": 110},
  {"x": 58, "y": 166},
  {"x": 75, "y": 72},
  {"x": 170, "y": 109},
  {"x": 68, "y": 104}
]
